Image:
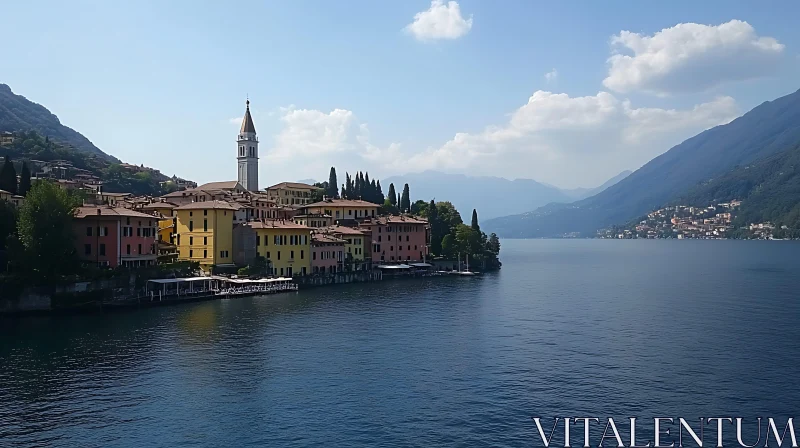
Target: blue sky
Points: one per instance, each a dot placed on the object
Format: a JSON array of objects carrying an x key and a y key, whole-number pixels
[{"x": 356, "y": 85}]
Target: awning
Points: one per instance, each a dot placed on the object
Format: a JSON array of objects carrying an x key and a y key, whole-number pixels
[
  {"x": 394, "y": 266},
  {"x": 421, "y": 265}
]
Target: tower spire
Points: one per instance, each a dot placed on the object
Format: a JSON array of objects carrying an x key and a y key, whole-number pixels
[{"x": 247, "y": 122}]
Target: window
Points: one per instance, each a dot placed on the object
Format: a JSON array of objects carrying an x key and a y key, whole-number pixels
[
  {"x": 205, "y": 253},
  {"x": 258, "y": 240},
  {"x": 313, "y": 255},
  {"x": 140, "y": 248},
  {"x": 128, "y": 221},
  {"x": 415, "y": 247},
  {"x": 179, "y": 240},
  {"x": 406, "y": 237},
  {"x": 350, "y": 212},
  {"x": 304, "y": 270},
  {"x": 279, "y": 255},
  {"x": 87, "y": 249},
  {"x": 205, "y": 225},
  {"x": 302, "y": 254},
  {"x": 191, "y": 254},
  {"x": 409, "y": 247},
  {"x": 205, "y": 212},
  {"x": 205, "y": 241},
  {"x": 267, "y": 255},
  {"x": 128, "y": 249},
  {"x": 379, "y": 238},
  {"x": 391, "y": 247},
  {"x": 190, "y": 213},
  {"x": 389, "y": 237},
  {"x": 291, "y": 255},
  {"x": 191, "y": 241},
  {"x": 102, "y": 249},
  {"x": 88, "y": 231},
  {"x": 138, "y": 231},
  {"x": 191, "y": 226}
]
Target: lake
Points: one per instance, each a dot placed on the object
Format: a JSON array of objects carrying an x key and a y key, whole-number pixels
[{"x": 567, "y": 327}]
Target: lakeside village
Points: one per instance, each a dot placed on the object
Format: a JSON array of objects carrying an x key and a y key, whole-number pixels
[
  {"x": 225, "y": 237},
  {"x": 715, "y": 221}
]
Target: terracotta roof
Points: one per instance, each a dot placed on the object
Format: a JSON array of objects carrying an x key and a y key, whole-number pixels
[
  {"x": 294, "y": 185},
  {"x": 344, "y": 230},
  {"x": 247, "y": 122},
  {"x": 155, "y": 205},
  {"x": 394, "y": 220},
  {"x": 226, "y": 185},
  {"x": 92, "y": 211},
  {"x": 276, "y": 224},
  {"x": 217, "y": 205},
  {"x": 323, "y": 238},
  {"x": 341, "y": 203}
]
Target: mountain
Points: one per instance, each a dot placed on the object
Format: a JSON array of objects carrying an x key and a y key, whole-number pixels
[
  {"x": 17, "y": 114},
  {"x": 768, "y": 129},
  {"x": 768, "y": 188},
  {"x": 491, "y": 196},
  {"x": 580, "y": 193}
]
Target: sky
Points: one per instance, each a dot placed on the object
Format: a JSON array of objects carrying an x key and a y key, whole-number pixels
[{"x": 567, "y": 93}]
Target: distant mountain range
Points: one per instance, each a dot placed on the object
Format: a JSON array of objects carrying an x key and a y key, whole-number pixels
[
  {"x": 768, "y": 129},
  {"x": 491, "y": 196},
  {"x": 17, "y": 114}
]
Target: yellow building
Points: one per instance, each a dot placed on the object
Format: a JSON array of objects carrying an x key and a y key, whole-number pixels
[
  {"x": 291, "y": 193},
  {"x": 339, "y": 209},
  {"x": 355, "y": 248},
  {"x": 205, "y": 233},
  {"x": 285, "y": 244}
]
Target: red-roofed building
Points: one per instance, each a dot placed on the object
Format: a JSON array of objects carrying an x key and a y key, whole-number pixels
[{"x": 398, "y": 238}]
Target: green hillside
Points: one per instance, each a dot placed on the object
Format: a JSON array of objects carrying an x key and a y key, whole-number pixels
[
  {"x": 771, "y": 128},
  {"x": 18, "y": 114}
]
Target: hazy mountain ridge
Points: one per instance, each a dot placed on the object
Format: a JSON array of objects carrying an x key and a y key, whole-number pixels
[
  {"x": 767, "y": 129},
  {"x": 491, "y": 196},
  {"x": 18, "y": 114}
]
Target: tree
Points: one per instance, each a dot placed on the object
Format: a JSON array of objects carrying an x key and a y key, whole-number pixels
[
  {"x": 468, "y": 240},
  {"x": 419, "y": 207},
  {"x": 436, "y": 234},
  {"x": 368, "y": 190},
  {"x": 333, "y": 185},
  {"x": 379, "y": 197},
  {"x": 392, "y": 195},
  {"x": 45, "y": 231},
  {"x": 322, "y": 189},
  {"x": 493, "y": 246},
  {"x": 448, "y": 216},
  {"x": 448, "y": 246},
  {"x": 8, "y": 176},
  {"x": 24, "y": 180},
  {"x": 8, "y": 223},
  {"x": 405, "y": 200},
  {"x": 475, "y": 225}
]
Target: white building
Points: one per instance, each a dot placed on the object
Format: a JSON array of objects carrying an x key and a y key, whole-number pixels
[{"x": 247, "y": 155}]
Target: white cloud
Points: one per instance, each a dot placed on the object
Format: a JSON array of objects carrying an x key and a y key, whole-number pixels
[
  {"x": 441, "y": 21},
  {"x": 554, "y": 138},
  {"x": 571, "y": 141},
  {"x": 690, "y": 57},
  {"x": 235, "y": 120},
  {"x": 552, "y": 75}
]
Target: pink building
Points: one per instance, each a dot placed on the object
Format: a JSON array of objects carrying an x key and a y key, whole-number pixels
[
  {"x": 327, "y": 254},
  {"x": 115, "y": 236},
  {"x": 398, "y": 239}
]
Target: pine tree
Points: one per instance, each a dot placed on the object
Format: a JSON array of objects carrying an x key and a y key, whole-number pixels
[
  {"x": 8, "y": 177},
  {"x": 475, "y": 225},
  {"x": 392, "y": 195},
  {"x": 24, "y": 180},
  {"x": 333, "y": 185},
  {"x": 405, "y": 201}
]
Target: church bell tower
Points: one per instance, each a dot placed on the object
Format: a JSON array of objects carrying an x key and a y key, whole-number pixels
[{"x": 247, "y": 153}]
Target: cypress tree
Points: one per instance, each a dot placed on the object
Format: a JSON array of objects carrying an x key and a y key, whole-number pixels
[
  {"x": 475, "y": 225},
  {"x": 392, "y": 195},
  {"x": 333, "y": 185},
  {"x": 8, "y": 177},
  {"x": 405, "y": 201},
  {"x": 379, "y": 196},
  {"x": 359, "y": 187},
  {"x": 369, "y": 193},
  {"x": 24, "y": 180}
]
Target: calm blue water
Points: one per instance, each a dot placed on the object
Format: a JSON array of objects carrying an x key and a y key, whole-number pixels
[{"x": 568, "y": 327}]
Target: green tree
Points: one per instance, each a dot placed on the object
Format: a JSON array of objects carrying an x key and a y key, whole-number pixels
[
  {"x": 420, "y": 208},
  {"x": 8, "y": 223},
  {"x": 24, "y": 180},
  {"x": 392, "y": 195},
  {"x": 317, "y": 194},
  {"x": 468, "y": 240},
  {"x": 405, "y": 200},
  {"x": 8, "y": 176},
  {"x": 379, "y": 197},
  {"x": 448, "y": 216},
  {"x": 493, "y": 245},
  {"x": 448, "y": 246},
  {"x": 45, "y": 231},
  {"x": 475, "y": 225},
  {"x": 333, "y": 184},
  {"x": 436, "y": 233}
]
